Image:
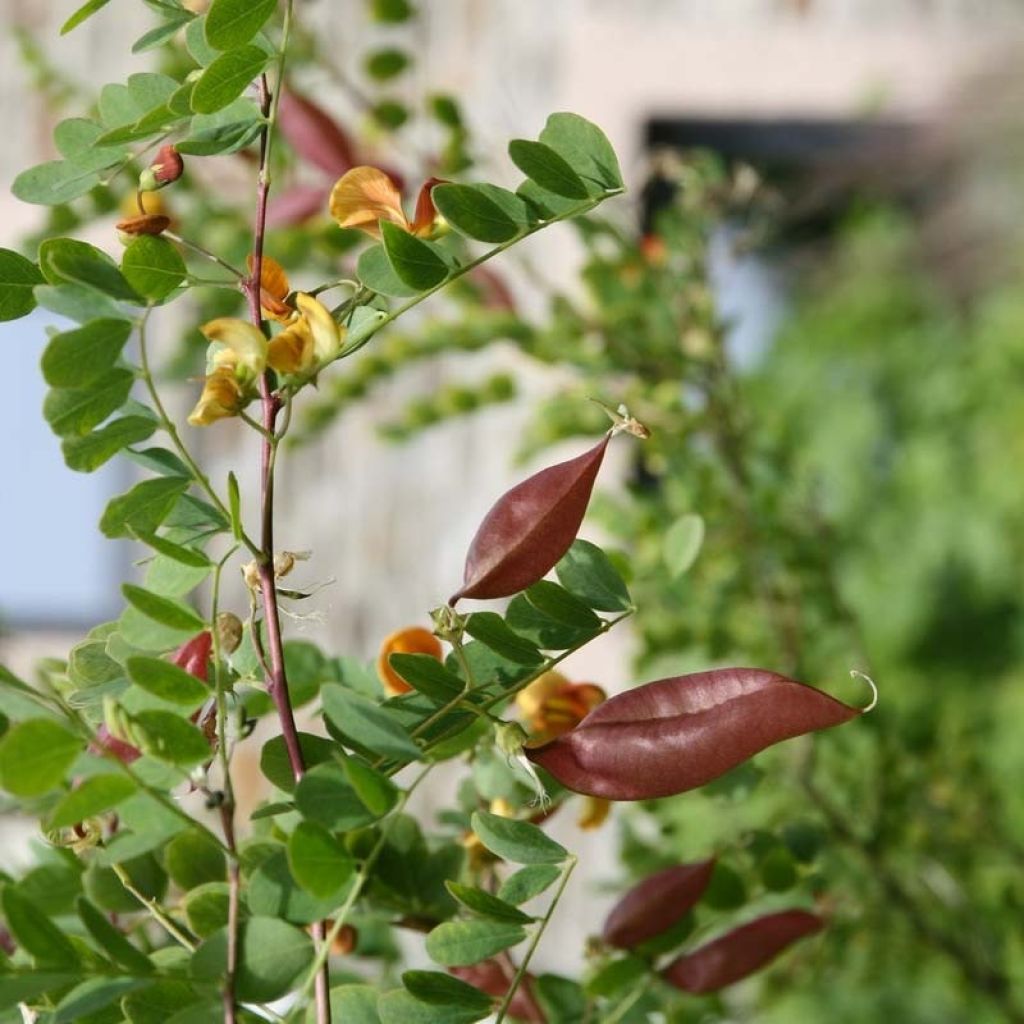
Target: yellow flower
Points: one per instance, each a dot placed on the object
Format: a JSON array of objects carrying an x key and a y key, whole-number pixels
[
  {"x": 312, "y": 338},
  {"x": 594, "y": 812},
  {"x": 222, "y": 397},
  {"x": 234, "y": 366},
  {"x": 364, "y": 196}
]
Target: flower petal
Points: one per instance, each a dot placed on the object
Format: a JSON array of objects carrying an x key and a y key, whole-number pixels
[
  {"x": 222, "y": 397},
  {"x": 364, "y": 196},
  {"x": 291, "y": 351},
  {"x": 426, "y": 212},
  {"x": 326, "y": 334},
  {"x": 245, "y": 340},
  {"x": 274, "y": 288}
]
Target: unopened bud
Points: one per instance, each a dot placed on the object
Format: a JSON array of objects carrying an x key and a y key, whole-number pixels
[
  {"x": 166, "y": 168},
  {"x": 229, "y": 632}
]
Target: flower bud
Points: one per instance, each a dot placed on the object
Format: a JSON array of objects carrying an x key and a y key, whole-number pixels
[
  {"x": 165, "y": 169},
  {"x": 229, "y": 632}
]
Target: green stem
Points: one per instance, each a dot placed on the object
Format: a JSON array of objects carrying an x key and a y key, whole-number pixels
[
  {"x": 535, "y": 941},
  {"x": 627, "y": 1004},
  {"x": 362, "y": 877},
  {"x": 159, "y": 914},
  {"x": 546, "y": 666},
  {"x": 227, "y": 806}
]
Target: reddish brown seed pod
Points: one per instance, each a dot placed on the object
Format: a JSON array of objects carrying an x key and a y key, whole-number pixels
[
  {"x": 656, "y": 904},
  {"x": 492, "y": 978},
  {"x": 314, "y": 134},
  {"x": 530, "y": 527},
  {"x": 676, "y": 734},
  {"x": 741, "y": 952},
  {"x": 144, "y": 224}
]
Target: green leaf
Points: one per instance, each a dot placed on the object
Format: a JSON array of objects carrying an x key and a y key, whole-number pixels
[
  {"x": 377, "y": 792},
  {"x": 587, "y": 573},
  {"x": 96, "y": 794},
  {"x": 354, "y": 1004},
  {"x": 18, "y": 276},
  {"x": 584, "y": 147},
  {"x": 276, "y": 766},
  {"x": 160, "y": 1002},
  {"x": 443, "y": 990},
  {"x": 206, "y": 907},
  {"x": 78, "y": 302},
  {"x": 143, "y": 508},
  {"x": 375, "y": 271},
  {"x": 74, "y": 359},
  {"x": 274, "y": 892},
  {"x": 427, "y": 675},
  {"x": 401, "y": 1007},
  {"x": 168, "y": 737},
  {"x": 326, "y": 796},
  {"x": 368, "y": 724},
  {"x": 67, "y": 259},
  {"x": 194, "y": 859},
  {"x": 29, "y": 985},
  {"x": 161, "y": 609},
  {"x": 112, "y": 940},
  {"x": 461, "y": 943},
  {"x": 231, "y": 23},
  {"x": 528, "y": 882},
  {"x": 543, "y": 165},
  {"x": 167, "y": 681},
  {"x": 153, "y": 267},
  {"x": 271, "y": 956},
  {"x": 178, "y": 552},
  {"x": 484, "y": 904},
  {"x": 35, "y": 755},
  {"x": 561, "y": 999},
  {"x": 235, "y": 506},
  {"x": 557, "y": 603},
  {"x": 414, "y": 261},
  {"x": 473, "y": 213},
  {"x": 87, "y": 10},
  {"x": 682, "y": 544},
  {"x": 75, "y": 411},
  {"x": 34, "y": 932},
  {"x": 226, "y": 78},
  {"x": 88, "y": 453},
  {"x": 53, "y": 183},
  {"x": 491, "y": 630},
  {"x": 76, "y": 139},
  {"x": 162, "y": 33},
  {"x": 517, "y": 841},
  {"x": 320, "y": 864},
  {"x": 386, "y": 64},
  {"x": 143, "y": 99},
  {"x": 226, "y": 131},
  {"x": 92, "y": 995}
]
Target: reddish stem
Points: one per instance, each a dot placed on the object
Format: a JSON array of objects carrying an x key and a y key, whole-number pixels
[{"x": 277, "y": 684}]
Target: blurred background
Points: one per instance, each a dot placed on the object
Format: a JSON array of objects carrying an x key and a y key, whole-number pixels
[{"x": 812, "y": 296}]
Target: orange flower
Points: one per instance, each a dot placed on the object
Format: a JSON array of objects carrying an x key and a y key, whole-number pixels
[
  {"x": 551, "y": 705},
  {"x": 411, "y": 640},
  {"x": 364, "y": 196},
  {"x": 274, "y": 289}
]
